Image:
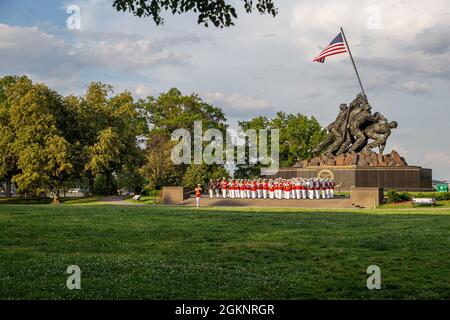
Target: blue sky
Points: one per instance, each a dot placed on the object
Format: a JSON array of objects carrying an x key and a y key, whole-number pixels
[{"x": 260, "y": 66}]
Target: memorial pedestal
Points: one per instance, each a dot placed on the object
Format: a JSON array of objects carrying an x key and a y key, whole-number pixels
[{"x": 402, "y": 178}]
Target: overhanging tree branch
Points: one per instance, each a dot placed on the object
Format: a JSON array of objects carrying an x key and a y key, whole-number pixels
[{"x": 218, "y": 12}]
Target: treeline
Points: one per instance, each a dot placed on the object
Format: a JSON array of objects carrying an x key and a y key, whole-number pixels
[{"x": 51, "y": 143}]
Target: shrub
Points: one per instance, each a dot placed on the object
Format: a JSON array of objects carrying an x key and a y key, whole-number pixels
[
  {"x": 150, "y": 192},
  {"x": 394, "y": 196},
  {"x": 439, "y": 196}
]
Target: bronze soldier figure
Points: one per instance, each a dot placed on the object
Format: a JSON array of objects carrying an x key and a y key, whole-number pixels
[
  {"x": 379, "y": 132},
  {"x": 338, "y": 129},
  {"x": 357, "y": 126},
  {"x": 353, "y": 127},
  {"x": 335, "y": 135}
]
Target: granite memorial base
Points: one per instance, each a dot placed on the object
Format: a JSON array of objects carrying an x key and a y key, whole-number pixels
[
  {"x": 174, "y": 195},
  {"x": 402, "y": 178}
]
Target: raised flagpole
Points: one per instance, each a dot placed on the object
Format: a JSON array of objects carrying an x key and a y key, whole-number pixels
[{"x": 353, "y": 61}]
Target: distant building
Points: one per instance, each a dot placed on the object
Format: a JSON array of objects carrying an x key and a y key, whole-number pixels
[{"x": 3, "y": 189}]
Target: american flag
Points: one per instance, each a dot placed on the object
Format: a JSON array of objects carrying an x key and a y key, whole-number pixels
[{"x": 335, "y": 47}]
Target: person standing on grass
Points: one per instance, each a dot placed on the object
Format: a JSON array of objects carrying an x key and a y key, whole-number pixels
[
  {"x": 254, "y": 188},
  {"x": 278, "y": 189},
  {"x": 292, "y": 184},
  {"x": 316, "y": 188},
  {"x": 265, "y": 187},
  {"x": 198, "y": 194},
  {"x": 217, "y": 188},
  {"x": 211, "y": 187},
  {"x": 298, "y": 188},
  {"x": 327, "y": 188},
  {"x": 303, "y": 181},
  {"x": 332, "y": 186},
  {"x": 236, "y": 189},
  {"x": 224, "y": 187},
  {"x": 259, "y": 185},
  {"x": 310, "y": 188},
  {"x": 271, "y": 189}
]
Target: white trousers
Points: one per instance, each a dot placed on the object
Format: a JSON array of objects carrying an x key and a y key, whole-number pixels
[
  {"x": 211, "y": 193},
  {"x": 332, "y": 193},
  {"x": 264, "y": 194},
  {"x": 253, "y": 194},
  {"x": 197, "y": 201},
  {"x": 224, "y": 193},
  {"x": 287, "y": 194},
  {"x": 311, "y": 194},
  {"x": 323, "y": 194},
  {"x": 217, "y": 193},
  {"x": 303, "y": 194},
  {"x": 317, "y": 194},
  {"x": 298, "y": 193},
  {"x": 271, "y": 194}
]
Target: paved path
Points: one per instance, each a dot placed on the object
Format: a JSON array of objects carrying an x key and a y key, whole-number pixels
[
  {"x": 337, "y": 202},
  {"x": 118, "y": 200}
]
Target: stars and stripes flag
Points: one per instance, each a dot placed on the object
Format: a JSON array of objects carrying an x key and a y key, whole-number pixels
[{"x": 335, "y": 47}]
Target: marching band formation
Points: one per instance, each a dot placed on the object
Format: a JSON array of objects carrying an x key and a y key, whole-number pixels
[{"x": 279, "y": 188}]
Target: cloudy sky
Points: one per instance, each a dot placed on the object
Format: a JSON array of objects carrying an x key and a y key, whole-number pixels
[{"x": 260, "y": 66}]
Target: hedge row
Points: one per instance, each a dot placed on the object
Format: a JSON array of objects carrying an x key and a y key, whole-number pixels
[{"x": 394, "y": 196}]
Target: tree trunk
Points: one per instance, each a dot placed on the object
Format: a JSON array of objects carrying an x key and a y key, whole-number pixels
[
  {"x": 111, "y": 186},
  {"x": 91, "y": 186},
  {"x": 8, "y": 193},
  {"x": 56, "y": 199}
]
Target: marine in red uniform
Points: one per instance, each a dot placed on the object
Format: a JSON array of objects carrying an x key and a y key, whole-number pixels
[{"x": 224, "y": 187}]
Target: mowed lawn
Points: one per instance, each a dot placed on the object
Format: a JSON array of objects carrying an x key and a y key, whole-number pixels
[{"x": 148, "y": 252}]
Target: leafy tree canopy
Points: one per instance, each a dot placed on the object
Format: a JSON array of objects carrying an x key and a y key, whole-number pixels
[
  {"x": 221, "y": 13},
  {"x": 158, "y": 168},
  {"x": 172, "y": 110},
  {"x": 298, "y": 136},
  {"x": 202, "y": 173}
]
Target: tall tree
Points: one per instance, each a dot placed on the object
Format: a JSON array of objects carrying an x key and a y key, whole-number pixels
[
  {"x": 172, "y": 110},
  {"x": 220, "y": 13},
  {"x": 8, "y": 158},
  {"x": 43, "y": 153},
  {"x": 158, "y": 167},
  {"x": 298, "y": 137},
  {"x": 108, "y": 126},
  {"x": 202, "y": 173}
]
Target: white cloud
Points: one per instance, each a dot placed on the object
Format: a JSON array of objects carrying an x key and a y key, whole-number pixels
[
  {"x": 144, "y": 91},
  {"x": 437, "y": 160},
  {"x": 237, "y": 100},
  {"x": 415, "y": 87},
  {"x": 404, "y": 28},
  {"x": 400, "y": 149},
  {"x": 237, "y": 104},
  {"x": 54, "y": 58}
]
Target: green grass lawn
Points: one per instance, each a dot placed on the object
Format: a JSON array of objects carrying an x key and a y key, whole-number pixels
[
  {"x": 145, "y": 200},
  {"x": 185, "y": 253},
  {"x": 408, "y": 204}
]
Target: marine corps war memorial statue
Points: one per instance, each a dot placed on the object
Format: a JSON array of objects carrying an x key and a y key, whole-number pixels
[{"x": 349, "y": 154}]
